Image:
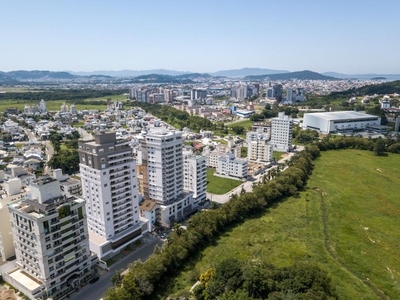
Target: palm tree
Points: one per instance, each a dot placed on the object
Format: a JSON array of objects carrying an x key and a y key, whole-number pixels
[{"x": 117, "y": 278}]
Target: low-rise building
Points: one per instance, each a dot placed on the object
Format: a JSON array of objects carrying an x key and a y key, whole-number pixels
[
  {"x": 339, "y": 121},
  {"x": 260, "y": 151},
  {"x": 232, "y": 167}
]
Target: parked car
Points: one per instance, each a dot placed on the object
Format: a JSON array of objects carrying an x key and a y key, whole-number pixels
[{"x": 94, "y": 279}]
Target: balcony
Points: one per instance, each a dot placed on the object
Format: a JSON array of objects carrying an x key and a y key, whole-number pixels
[{"x": 118, "y": 171}]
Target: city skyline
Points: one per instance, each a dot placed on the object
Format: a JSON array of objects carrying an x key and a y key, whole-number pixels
[{"x": 350, "y": 37}]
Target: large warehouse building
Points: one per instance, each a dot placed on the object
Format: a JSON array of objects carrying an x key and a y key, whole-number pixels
[{"x": 339, "y": 121}]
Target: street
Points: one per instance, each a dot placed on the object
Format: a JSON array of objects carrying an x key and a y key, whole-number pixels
[
  {"x": 86, "y": 136},
  {"x": 96, "y": 290}
]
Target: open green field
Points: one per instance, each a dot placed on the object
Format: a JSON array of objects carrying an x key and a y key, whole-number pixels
[
  {"x": 347, "y": 221},
  {"x": 220, "y": 185},
  {"x": 277, "y": 155},
  {"x": 334, "y": 102},
  {"x": 245, "y": 123}
]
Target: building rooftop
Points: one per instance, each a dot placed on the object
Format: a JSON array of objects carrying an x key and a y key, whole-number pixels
[
  {"x": 341, "y": 115},
  {"x": 24, "y": 279},
  {"x": 147, "y": 205}
]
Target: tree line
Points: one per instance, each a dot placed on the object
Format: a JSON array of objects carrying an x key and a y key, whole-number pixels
[
  {"x": 60, "y": 94},
  {"x": 233, "y": 279},
  {"x": 65, "y": 158},
  {"x": 300, "y": 281},
  {"x": 143, "y": 278},
  {"x": 177, "y": 117}
]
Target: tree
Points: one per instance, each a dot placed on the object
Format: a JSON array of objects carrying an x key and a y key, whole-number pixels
[
  {"x": 380, "y": 147},
  {"x": 117, "y": 278},
  {"x": 238, "y": 129}
]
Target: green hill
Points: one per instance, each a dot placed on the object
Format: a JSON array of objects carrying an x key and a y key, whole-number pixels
[
  {"x": 379, "y": 89},
  {"x": 303, "y": 75}
]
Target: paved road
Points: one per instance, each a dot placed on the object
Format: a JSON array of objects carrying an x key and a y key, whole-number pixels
[
  {"x": 50, "y": 153},
  {"x": 86, "y": 136},
  {"x": 96, "y": 290}
]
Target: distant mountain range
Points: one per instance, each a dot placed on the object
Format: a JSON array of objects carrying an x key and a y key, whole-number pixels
[
  {"x": 368, "y": 76},
  {"x": 131, "y": 73},
  {"x": 247, "y": 72},
  {"x": 227, "y": 73},
  {"x": 14, "y": 77},
  {"x": 303, "y": 75},
  {"x": 171, "y": 76}
]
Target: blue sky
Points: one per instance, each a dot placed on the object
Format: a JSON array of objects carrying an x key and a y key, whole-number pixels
[{"x": 201, "y": 36}]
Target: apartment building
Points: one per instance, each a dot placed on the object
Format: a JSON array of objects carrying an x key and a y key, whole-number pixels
[
  {"x": 161, "y": 159},
  {"x": 282, "y": 132},
  {"x": 260, "y": 151},
  {"x": 110, "y": 188},
  {"x": 12, "y": 192},
  {"x": 232, "y": 167},
  {"x": 195, "y": 177},
  {"x": 51, "y": 242}
]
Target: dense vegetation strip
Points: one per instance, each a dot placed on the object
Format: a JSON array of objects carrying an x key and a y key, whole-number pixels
[
  {"x": 203, "y": 228},
  {"x": 143, "y": 278},
  {"x": 60, "y": 94}
]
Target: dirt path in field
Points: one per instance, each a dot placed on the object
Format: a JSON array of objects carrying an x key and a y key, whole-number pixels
[{"x": 379, "y": 293}]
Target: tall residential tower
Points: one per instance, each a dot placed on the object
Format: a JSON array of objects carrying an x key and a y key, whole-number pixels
[
  {"x": 109, "y": 186},
  {"x": 161, "y": 159}
]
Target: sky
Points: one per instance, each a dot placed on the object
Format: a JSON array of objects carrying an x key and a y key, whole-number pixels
[{"x": 345, "y": 36}]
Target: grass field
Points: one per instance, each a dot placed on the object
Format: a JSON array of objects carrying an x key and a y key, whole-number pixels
[
  {"x": 277, "y": 155},
  {"x": 219, "y": 185},
  {"x": 245, "y": 123},
  {"x": 347, "y": 221}
]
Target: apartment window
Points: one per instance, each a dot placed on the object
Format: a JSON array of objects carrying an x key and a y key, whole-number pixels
[
  {"x": 48, "y": 239},
  {"x": 48, "y": 246}
]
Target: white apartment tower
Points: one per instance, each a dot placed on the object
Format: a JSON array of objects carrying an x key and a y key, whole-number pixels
[
  {"x": 51, "y": 242},
  {"x": 109, "y": 186},
  {"x": 281, "y": 132},
  {"x": 161, "y": 161},
  {"x": 42, "y": 106},
  {"x": 195, "y": 177}
]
